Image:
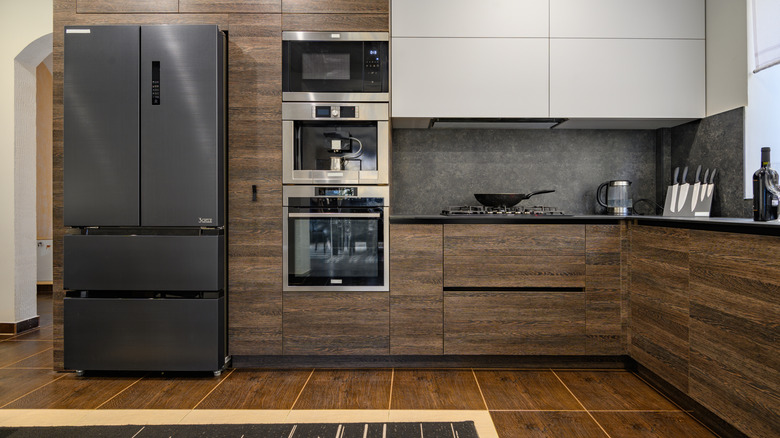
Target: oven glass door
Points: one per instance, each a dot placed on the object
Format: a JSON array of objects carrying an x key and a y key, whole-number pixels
[
  {"x": 343, "y": 250},
  {"x": 324, "y": 66}
]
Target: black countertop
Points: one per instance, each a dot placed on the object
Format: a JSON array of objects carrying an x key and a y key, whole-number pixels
[{"x": 734, "y": 225}]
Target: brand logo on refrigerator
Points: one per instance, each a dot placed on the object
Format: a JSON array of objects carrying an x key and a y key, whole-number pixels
[{"x": 205, "y": 220}]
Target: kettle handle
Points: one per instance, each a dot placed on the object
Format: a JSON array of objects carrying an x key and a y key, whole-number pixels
[{"x": 598, "y": 194}]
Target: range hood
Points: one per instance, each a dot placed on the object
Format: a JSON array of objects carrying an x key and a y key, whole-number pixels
[{"x": 494, "y": 123}]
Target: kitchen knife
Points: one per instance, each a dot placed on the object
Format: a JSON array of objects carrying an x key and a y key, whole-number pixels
[
  {"x": 696, "y": 187},
  {"x": 712, "y": 182},
  {"x": 703, "y": 192},
  {"x": 675, "y": 186},
  {"x": 683, "y": 190}
]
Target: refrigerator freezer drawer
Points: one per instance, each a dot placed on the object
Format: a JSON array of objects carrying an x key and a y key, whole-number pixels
[
  {"x": 125, "y": 334},
  {"x": 144, "y": 263}
]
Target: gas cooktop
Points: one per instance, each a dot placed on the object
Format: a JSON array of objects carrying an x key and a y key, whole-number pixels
[{"x": 505, "y": 211}]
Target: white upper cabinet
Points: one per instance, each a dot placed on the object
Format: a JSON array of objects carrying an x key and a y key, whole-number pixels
[
  {"x": 470, "y": 18},
  {"x": 627, "y": 78},
  {"x": 470, "y": 77},
  {"x": 679, "y": 19}
]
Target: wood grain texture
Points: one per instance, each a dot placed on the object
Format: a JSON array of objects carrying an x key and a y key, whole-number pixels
[
  {"x": 71, "y": 392},
  {"x": 16, "y": 383},
  {"x": 126, "y": 6},
  {"x": 335, "y": 6},
  {"x": 339, "y": 323},
  {"x": 416, "y": 298},
  {"x": 436, "y": 389},
  {"x": 522, "y": 323},
  {"x": 346, "y": 389},
  {"x": 603, "y": 290},
  {"x": 336, "y": 22},
  {"x": 257, "y": 389},
  {"x": 231, "y": 6},
  {"x": 651, "y": 425},
  {"x": 613, "y": 390},
  {"x": 525, "y": 390},
  {"x": 735, "y": 329},
  {"x": 489, "y": 256},
  {"x": 13, "y": 351},
  {"x": 164, "y": 393},
  {"x": 546, "y": 424},
  {"x": 659, "y": 301}
]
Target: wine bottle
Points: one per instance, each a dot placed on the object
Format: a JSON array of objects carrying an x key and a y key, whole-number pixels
[{"x": 765, "y": 203}]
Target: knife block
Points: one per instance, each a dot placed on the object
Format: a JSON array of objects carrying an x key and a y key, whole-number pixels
[{"x": 677, "y": 207}]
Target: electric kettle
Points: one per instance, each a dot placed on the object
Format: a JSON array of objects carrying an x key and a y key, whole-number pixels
[{"x": 616, "y": 197}]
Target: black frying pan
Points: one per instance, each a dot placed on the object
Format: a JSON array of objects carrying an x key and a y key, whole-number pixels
[{"x": 505, "y": 199}]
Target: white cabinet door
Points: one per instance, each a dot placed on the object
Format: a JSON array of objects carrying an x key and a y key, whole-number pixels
[
  {"x": 470, "y": 18},
  {"x": 627, "y": 19},
  {"x": 469, "y": 77},
  {"x": 627, "y": 78}
]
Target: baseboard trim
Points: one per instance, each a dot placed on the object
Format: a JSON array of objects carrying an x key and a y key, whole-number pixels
[
  {"x": 15, "y": 328},
  {"x": 718, "y": 425},
  {"x": 452, "y": 361}
]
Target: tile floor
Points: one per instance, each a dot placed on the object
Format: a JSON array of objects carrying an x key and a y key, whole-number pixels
[{"x": 503, "y": 403}]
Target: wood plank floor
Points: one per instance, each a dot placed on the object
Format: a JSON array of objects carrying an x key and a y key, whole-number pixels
[{"x": 516, "y": 402}]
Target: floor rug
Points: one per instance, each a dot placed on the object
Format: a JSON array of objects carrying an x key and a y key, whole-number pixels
[{"x": 463, "y": 429}]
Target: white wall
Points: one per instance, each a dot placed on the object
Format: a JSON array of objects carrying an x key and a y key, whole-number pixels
[
  {"x": 21, "y": 22},
  {"x": 762, "y": 114}
]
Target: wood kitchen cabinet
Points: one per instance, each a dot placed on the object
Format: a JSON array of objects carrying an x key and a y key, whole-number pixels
[
  {"x": 336, "y": 323},
  {"x": 660, "y": 307},
  {"x": 606, "y": 298},
  {"x": 416, "y": 300},
  {"x": 734, "y": 331}
]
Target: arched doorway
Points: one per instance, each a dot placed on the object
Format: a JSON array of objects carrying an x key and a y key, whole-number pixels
[{"x": 32, "y": 171}]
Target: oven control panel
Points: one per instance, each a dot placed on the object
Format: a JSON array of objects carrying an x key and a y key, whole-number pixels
[{"x": 334, "y": 112}]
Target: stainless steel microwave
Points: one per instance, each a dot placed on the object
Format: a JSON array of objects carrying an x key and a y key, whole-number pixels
[{"x": 335, "y": 66}]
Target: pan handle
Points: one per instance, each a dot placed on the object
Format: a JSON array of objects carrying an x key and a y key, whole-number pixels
[{"x": 538, "y": 193}]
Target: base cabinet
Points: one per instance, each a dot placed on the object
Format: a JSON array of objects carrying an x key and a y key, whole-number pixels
[
  {"x": 336, "y": 323},
  {"x": 519, "y": 323}
]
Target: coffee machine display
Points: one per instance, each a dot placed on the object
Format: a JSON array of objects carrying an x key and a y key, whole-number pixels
[
  {"x": 615, "y": 196},
  {"x": 335, "y": 143}
]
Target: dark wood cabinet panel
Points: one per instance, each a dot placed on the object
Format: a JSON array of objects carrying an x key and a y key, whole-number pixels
[
  {"x": 659, "y": 301},
  {"x": 522, "y": 323},
  {"x": 126, "y": 6},
  {"x": 604, "y": 294},
  {"x": 335, "y": 6},
  {"x": 231, "y": 6},
  {"x": 416, "y": 300},
  {"x": 734, "y": 331},
  {"x": 337, "y": 323},
  {"x": 336, "y": 22},
  {"x": 490, "y": 256}
]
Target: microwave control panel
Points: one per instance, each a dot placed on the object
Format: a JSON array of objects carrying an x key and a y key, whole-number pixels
[
  {"x": 372, "y": 80},
  {"x": 334, "y": 112}
]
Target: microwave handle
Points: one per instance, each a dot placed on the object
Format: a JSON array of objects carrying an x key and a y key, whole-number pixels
[{"x": 324, "y": 215}]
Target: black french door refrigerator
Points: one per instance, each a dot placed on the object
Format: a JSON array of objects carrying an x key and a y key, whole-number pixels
[{"x": 144, "y": 197}]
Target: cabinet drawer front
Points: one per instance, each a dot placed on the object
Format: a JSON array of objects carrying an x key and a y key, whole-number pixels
[
  {"x": 523, "y": 323},
  {"x": 144, "y": 263},
  {"x": 514, "y": 240},
  {"x": 466, "y": 18},
  {"x": 627, "y": 18}
]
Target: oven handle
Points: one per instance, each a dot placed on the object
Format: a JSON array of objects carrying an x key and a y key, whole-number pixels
[{"x": 323, "y": 215}]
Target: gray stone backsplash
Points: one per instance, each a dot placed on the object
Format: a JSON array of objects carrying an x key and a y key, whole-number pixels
[{"x": 435, "y": 169}]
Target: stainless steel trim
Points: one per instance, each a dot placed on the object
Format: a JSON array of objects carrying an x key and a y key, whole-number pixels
[
  {"x": 363, "y": 111},
  {"x": 335, "y": 36},
  {"x": 337, "y": 288},
  {"x": 310, "y": 192},
  {"x": 301, "y": 96},
  {"x": 321, "y": 215}
]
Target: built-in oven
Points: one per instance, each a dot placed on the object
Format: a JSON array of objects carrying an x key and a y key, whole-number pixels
[
  {"x": 335, "y": 238},
  {"x": 335, "y": 66},
  {"x": 335, "y": 143}
]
